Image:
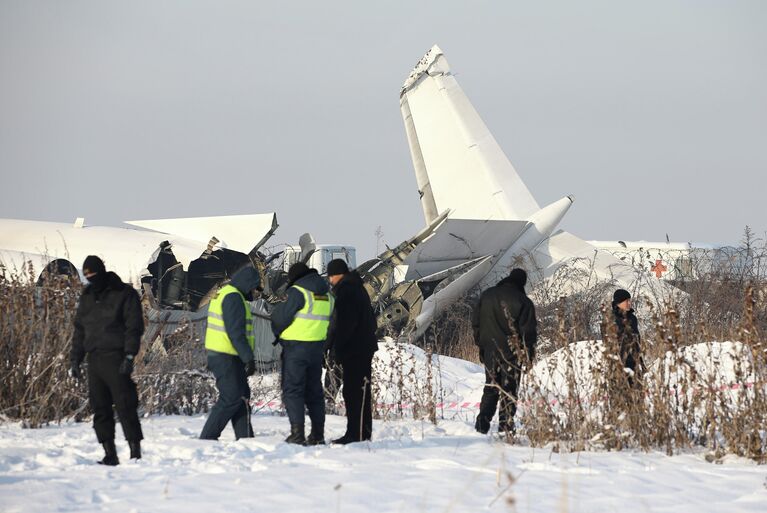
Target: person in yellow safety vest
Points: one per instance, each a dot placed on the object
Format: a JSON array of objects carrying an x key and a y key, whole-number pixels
[
  {"x": 301, "y": 325},
  {"x": 229, "y": 342}
]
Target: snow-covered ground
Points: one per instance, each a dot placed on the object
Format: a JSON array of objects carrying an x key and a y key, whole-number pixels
[{"x": 410, "y": 466}]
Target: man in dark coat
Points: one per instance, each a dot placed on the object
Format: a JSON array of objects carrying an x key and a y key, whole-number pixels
[
  {"x": 505, "y": 329},
  {"x": 300, "y": 325},
  {"x": 627, "y": 328},
  {"x": 108, "y": 326},
  {"x": 352, "y": 342},
  {"x": 230, "y": 354}
]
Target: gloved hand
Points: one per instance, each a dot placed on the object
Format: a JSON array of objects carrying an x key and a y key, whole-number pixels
[
  {"x": 126, "y": 367},
  {"x": 75, "y": 372},
  {"x": 250, "y": 368}
]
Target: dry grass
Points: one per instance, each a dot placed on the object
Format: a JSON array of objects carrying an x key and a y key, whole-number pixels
[
  {"x": 694, "y": 393},
  {"x": 578, "y": 398}
]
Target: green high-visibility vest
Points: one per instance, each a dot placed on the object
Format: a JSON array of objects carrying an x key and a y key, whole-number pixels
[
  {"x": 216, "y": 338},
  {"x": 311, "y": 322}
]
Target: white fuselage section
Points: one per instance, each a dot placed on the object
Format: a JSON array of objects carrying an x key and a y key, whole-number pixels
[{"x": 125, "y": 251}]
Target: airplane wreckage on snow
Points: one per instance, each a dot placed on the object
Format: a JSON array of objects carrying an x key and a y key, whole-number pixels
[{"x": 481, "y": 221}]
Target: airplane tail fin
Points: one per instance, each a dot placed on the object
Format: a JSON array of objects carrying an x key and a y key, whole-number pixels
[{"x": 456, "y": 158}]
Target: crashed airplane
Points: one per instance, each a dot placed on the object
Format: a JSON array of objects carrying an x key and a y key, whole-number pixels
[
  {"x": 481, "y": 218},
  {"x": 158, "y": 254}
]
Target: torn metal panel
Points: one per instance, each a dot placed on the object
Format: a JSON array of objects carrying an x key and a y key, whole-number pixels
[
  {"x": 379, "y": 273},
  {"x": 398, "y": 309}
]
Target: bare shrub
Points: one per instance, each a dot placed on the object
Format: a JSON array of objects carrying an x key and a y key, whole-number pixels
[
  {"x": 35, "y": 330},
  {"x": 705, "y": 353},
  {"x": 451, "y": 333},
  {"x": 705, "y": 382},
  {"x": 35, "y": 339}
]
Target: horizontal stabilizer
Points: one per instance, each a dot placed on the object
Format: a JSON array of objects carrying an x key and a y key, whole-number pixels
[{"x": 458, "y": 240}]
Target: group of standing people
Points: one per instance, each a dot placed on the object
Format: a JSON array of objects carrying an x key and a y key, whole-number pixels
[
  {"x": 312, "y": 325},
  {"x": 320, "y": 321}
]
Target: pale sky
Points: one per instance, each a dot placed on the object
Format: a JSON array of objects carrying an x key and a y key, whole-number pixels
[{"x": 653, "y": 114}]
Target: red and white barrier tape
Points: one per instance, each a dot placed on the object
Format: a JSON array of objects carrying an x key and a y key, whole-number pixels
[{"x": 277, "y": 406}]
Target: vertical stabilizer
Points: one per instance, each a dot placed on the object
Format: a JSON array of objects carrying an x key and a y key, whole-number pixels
[{"x": 458, "y": 164}]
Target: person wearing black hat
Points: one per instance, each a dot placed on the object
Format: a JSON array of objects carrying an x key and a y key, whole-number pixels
[
  {"x": 628, "y": 333},
  {"x": 107, "y": 329},
  {"x": 301, "y": 325},
  {"x": 505, "y": 329},
  {"x": 352, "y": 342}
]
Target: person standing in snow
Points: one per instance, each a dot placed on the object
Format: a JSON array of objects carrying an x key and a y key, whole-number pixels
[
  {"x": 505, "y": 329},
  {"x": 107, "y": 329},
  {"x": 628, "y": 333},
  {"x": 352, "y": 342},
  {"x": 301, "y": 325},
  {"x": 230, "y": 342}
]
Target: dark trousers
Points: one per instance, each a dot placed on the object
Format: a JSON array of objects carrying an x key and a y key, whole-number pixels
[
  {"x": 501, "y": 383},
  {"x": 233, "y": 398},
  {"x": 357, "y": 396},
  {"x": 302, "y": 381},
  {"x": 107, "y": 387}
]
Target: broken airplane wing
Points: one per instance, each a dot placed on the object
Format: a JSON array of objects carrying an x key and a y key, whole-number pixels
[
  {"x": 242, "y": 233},
  {"x": 127, "y": 251}
]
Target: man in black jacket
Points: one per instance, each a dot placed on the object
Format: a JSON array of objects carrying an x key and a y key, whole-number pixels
[
  {"x": 230, "y": 341},
  {"x": 108, "y": 328},
  {"x": 352, "y": 342},
  {"x": 301, "y": 327},
  {"x": 628, "y": 333},
  {"x": 505, "y": 329}
]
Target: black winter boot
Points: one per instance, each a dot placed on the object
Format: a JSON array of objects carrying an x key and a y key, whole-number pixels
[
  {"x": 346, "y": 439},
  {"x": 316, "y": 436},
  {"x": 135, "y": 449},
  {"x": 110, "y": 454},
  {"x": 482, "y": 424},
  {"x": 296, "y": 435}
]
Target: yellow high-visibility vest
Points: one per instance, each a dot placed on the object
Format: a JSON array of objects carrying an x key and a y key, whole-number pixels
[
  {"x": 216, "y": 338},
  {"x": 311, "y": 322}
]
